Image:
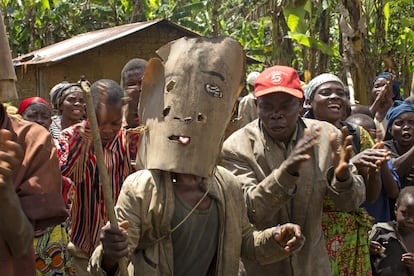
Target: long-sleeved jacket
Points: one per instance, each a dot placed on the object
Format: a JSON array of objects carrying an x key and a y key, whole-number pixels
[
  {"x": 147, "y": 202},
  {"x": 16, "y": 236},
  {"x": 273, "y": 196},
  {"x": 247, "y": 111},
  {"x": 37, "y": 184}
]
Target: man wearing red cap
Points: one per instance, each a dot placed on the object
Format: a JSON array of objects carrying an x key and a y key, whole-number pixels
[{"x": 286, "y": 165}]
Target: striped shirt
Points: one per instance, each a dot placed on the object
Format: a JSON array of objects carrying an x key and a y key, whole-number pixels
[
  {"x": 56, "y": 126},
  {"x": 78, "y": 162}
]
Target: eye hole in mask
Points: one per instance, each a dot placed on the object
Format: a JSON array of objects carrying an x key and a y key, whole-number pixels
[
  {"x": 170, "y": 85},
  {"x": 213, "y": 90},
  {"x": 201, "y": 117},
  {"x": 166, "y": 111}
]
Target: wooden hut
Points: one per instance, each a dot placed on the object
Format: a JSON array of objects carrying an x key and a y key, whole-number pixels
[{"x": 96, "y": 55}]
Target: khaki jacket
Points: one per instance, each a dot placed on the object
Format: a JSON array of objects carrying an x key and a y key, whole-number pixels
[
  {"x": 147, "y": 202},
  {"x": 247, "y": 111},
  {"x": 274, "y": 197}
]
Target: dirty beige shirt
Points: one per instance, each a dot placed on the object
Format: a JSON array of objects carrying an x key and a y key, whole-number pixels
[{"x": 147, "y": 202}]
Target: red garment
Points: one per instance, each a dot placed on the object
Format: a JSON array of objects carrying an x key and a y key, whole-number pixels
[
  {"x": 78, "y": 163},
  {"x": 67, "y": 189},
  {"x": 27, "y": 102},
  {"x": 38, "y": 186}
]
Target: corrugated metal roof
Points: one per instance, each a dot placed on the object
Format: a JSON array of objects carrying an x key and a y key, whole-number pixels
[
  {"x": 84, "y": 42},
  {"x": 87, "y": 41}
]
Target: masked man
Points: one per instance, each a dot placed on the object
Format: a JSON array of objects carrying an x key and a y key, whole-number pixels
[{"x": 186, "y": 215}]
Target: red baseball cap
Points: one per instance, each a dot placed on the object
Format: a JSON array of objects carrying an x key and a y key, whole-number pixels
[{"x": 278, "y": 79}]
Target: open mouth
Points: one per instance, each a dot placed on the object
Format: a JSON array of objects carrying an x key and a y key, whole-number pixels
[
  {"x": 76, "y": 110},
  {"x": 277, "y": 128},
  {"x": 183, "y": 140},
  {"x": 336, "y": 107}
]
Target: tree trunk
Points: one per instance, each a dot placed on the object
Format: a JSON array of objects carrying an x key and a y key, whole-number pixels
[
  {"x": 282, "y": 52},
  {"x": 353, "y": 29},
  {"x": 379, "y": 35},
  {"x": 324, "y": 37},
  {"x": 215, "y": 25},
  {"x": 138, "y": 12}
]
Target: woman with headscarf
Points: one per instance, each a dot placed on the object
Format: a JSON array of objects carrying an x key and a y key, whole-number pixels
[
  {"x": 400, "y": 141},
  {"x": 346, "y": 233},
  {"x": 67, "y": 99},
  {"x": 50, "y": 245},
  {"x": 384, "y": 92},
  {"x": 36, "y": 109}
]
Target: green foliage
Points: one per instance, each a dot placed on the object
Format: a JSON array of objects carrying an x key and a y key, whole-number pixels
[
  {"x": 387, "y": 16},
  {"x": 401, "y": 38},
  {"x": 295, "y": 18},
  {"x": 32, "y": 24},
  {"x": 310, "y": 42}
]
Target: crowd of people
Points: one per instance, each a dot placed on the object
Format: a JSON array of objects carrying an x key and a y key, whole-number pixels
[{"x": 304, "y": 184}]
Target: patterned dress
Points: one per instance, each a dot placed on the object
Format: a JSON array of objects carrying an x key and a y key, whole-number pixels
[
  {"x": 51, "y": 255},
  {"x": 346, "y": 233},
  {"x": 79, "y": 164}
]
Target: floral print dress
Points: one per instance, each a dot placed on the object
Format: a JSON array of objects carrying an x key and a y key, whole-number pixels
[{"x": 346, "y": 233}]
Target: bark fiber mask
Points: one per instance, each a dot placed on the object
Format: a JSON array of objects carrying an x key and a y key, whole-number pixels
[{"x": 186, "y": 103}]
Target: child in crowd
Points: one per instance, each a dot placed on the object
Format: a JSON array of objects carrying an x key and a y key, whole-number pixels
[
  {"x": 365, "y": 121},
  {"x": 392, "y": 243},
  {"x": 78, "y": 163},
  {"x": 379, "y": 209}
]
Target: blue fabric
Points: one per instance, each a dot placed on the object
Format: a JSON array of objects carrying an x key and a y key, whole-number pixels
[
  {"x": 396, "y": 86},
  {"x": 398, "y": 108},
  {"x": 380, "y": 209}
]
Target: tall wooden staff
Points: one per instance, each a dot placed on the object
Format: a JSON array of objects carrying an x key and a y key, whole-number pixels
[
  {"x": 7, "y": 75},
  {"x": 103, "y": 174}
]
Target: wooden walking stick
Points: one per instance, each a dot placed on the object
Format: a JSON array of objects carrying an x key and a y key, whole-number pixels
[
  {"x": 103, "y": 174},
  {"x": 7, "y": 74}
]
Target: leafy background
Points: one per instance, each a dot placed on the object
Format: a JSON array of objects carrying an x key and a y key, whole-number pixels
[{"x": 354, "y": 39}]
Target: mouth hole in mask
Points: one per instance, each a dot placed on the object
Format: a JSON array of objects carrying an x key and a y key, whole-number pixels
[
  {"x": 170, "y": 85},
  {"x": 213, "y": 90},
  {"x": 166, "y": 111},
  {"x": 183, "y": 140},
  {"x": 201, "y": 117}
]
